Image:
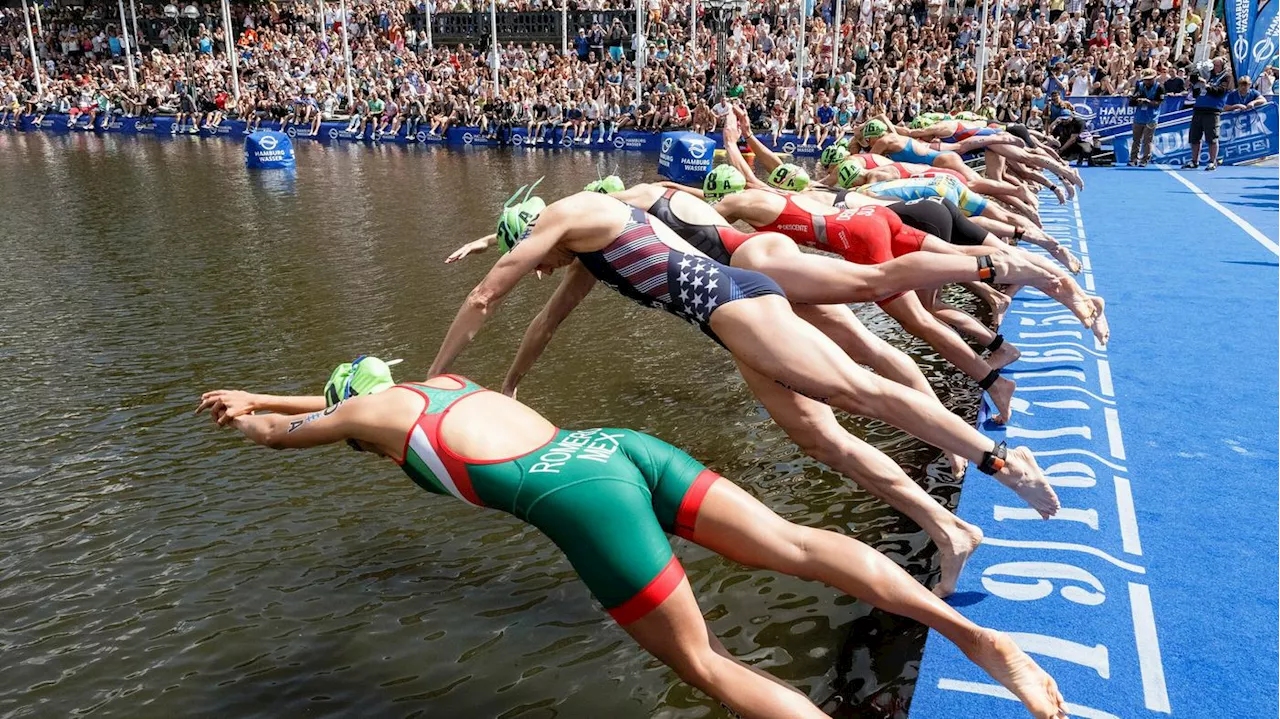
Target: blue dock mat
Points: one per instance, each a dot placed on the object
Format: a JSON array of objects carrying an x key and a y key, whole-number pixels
[{"x": 1154, "y": 591}]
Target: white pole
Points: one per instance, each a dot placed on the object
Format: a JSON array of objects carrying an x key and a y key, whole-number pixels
[
  {"x": 800, "y": 60},
  {"x": 39, "y": 25},
  {"x": 835, "y": 41},
  {"x": 1203, "y": 53},
  {"x": 128, "y": 46},
  {"x": 1182, "y": 32},
  {"x": 133, "y": 10},
  {"x": 231, "y": 50},
  {"x": 431, "y": 41},
  {"x": 31, "y": 43},
  {"x": 564, "y": 28},
  {"x": 982, "y": 58},
  {"x": 346, "y": 53},
  {"x": 320, "y": 18},
  {"x": 999, "y": 15},
  {"x": 639, "y": 48},
  {"x": 693, "y": 24},
  {"x": 493, "y": 33}
]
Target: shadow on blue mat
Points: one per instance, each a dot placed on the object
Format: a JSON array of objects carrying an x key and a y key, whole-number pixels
[
  {"x": 965, "y": 599},
  {"x": 1251, "y": 262}
]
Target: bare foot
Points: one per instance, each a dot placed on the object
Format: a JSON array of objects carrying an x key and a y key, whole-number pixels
[
  {"x": 1001, "y": 394},
  {"x": 1004, "y": 356},
  {"x": 1071, "y": 190},
  {"x": 958, "y": 465},
  {"x": 1057, "y": 192},
  {"x": 1006, "y": 663},
  {"x": 1067, "y": 259},
  {"x": 1000, "y": 303},
  {"x": 953, "y": 556},
  {"x": 1101, "y": 329},
  {"x": 1025, "y": 478}
]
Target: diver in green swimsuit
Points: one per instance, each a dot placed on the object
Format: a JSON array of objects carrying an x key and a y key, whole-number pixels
[{"x": 607, "y": 497}]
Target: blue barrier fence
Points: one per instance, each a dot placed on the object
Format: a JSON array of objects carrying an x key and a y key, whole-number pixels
[{"x": 1111, "y": 118}]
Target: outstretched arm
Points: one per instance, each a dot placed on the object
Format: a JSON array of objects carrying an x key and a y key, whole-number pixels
[
  {"x": 575, "y": 286},
  {"x": 227, "y": 404},
  {"x": 471, "y": 248},
  {"x": 766, "y": 158},
  {"x": 298, "y": 431},
  {"x": 733, "y": 155},
  {"x": 506, "y": 273}
]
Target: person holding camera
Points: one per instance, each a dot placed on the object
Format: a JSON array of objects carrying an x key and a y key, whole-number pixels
[
  {"x": 1209, "y": 89},
  {"x": 1145, "y": 99}
]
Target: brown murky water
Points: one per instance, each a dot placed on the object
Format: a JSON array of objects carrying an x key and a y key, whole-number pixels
[{"x": 151, "y": 565}]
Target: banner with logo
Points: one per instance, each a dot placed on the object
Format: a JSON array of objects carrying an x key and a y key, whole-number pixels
[
  {"x": 1239, "y": 17},
  {"x": 1242, "y": 137},
  {"x": 268, "y": 150},
  {"x": 1264, "y": 44},
  {"x": 1111, "y": 115},
  {"x": 686, "y": 157}
]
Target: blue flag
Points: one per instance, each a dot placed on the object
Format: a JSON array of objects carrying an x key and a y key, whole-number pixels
[
  {"x": 1239, "y": 16},
  {"x": 1264, "y": 41}
]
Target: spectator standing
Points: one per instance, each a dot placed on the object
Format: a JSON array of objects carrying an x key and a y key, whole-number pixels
[
  {"x": 1146, "y": 99},
  {"x": 1210, "y": 95}
]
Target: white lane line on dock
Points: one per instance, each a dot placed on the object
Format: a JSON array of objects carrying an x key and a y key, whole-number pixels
[
  {"x": 1104, "y": 378},
  {"x": 1113, "y": 432},
  {"x": 1239, "y": 221},
  {"x": 1128, "y": 517},
  {"x": 1155, "y": 692}
]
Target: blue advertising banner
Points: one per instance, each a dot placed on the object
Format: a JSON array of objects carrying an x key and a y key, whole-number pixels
[
  {"x": 1243, "y": 136},
  {"x": 1239, "y": 18},
  {"x": 1110, "y": 115},
  {"x": 268, "y": 150}
]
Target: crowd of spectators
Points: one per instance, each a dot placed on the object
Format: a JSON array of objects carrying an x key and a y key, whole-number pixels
[{"x": 896, "y": 57}]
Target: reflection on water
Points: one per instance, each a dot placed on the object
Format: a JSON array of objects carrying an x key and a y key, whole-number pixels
[{"x": 156, "y": 566}]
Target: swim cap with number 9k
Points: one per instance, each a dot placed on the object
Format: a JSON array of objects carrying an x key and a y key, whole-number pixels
[{"x": 789, "y": 177}]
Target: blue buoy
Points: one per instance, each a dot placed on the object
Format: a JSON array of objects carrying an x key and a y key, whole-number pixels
[
  {"x": 268, "y": 150},
  {"x": 686, "y": 157}
]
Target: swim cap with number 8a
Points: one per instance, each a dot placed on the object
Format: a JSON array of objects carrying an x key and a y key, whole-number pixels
[
  {"x": 362, "y": 376},
  {"x": 789, "y": 177},
  {"x": 723, "y": 180},
  {"x": 874, "y": 129},
  {"x": 515, "y": 221},
  {"x": 849, "y": 173},
  {"x": 833, "y": 155},
  {"x": 606, "y": 185}
]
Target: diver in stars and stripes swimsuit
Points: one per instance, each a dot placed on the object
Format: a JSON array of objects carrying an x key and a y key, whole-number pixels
[{"x": 641, "y": 267}]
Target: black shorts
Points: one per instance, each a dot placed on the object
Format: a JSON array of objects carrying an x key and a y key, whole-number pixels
[
  {"x": 940, "y": 218},
  {"x": 1204, "y": 124}
]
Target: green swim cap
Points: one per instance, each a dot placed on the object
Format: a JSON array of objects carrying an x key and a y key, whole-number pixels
[
  {"x": 970, "y": 116},
  {"x": 606, "y": 185},
  {"x": 789, "y": 177},
  {"x": 849, "y": 173},
  {"x": 919, "y": 122},
  {"x": 723, "y": 180},
  {"x": 844, "y": 142},
  {"x": 874, "y": 129},
  {"x": 833, "y": 155},
  {"x": 515, "y": 220},
  {"x": 364, "y": 375}
]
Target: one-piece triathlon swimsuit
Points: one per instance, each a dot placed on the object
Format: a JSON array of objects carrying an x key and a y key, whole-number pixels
[
  {"x": 605, "y": 497},
  {"x": 641, "y": 267},
  {"x": 867, "y": 235}
]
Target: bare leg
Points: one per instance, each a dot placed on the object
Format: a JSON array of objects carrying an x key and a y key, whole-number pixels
[
  {"x": 1018, "y": 155},
  {"x": 865, "y": 347},
  {"x": 677, "y": 635},
  {"x": 998, "y": 301},
  {"x": 737, "y": 526},
  {"x": 765, "y": 335},
  {"x": 815, "y": 430},
  {"x": 815, "y": 279}
]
